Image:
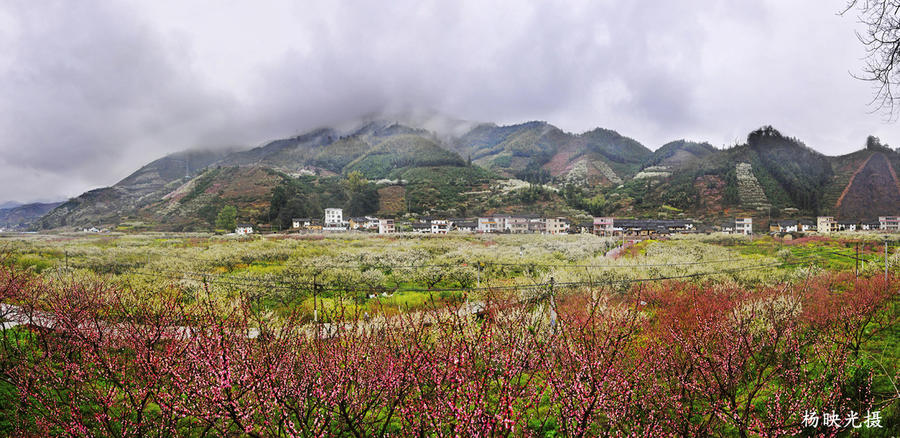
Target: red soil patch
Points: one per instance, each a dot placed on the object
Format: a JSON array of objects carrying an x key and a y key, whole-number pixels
[{"x": 873, "y": 190}]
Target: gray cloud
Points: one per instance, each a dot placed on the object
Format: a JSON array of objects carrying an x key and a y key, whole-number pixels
[{"x": 93, "y": 89}]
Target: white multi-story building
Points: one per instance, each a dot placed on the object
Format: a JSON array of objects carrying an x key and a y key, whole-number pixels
[
  {"x": 889, "y": 223},
  {"x": 826, "y": 224},
  {"x": 385, "y": 226},
  {"x": 495, "y": 224},
  {"x": 334, "y": 217},
  {"x": 743, "y": 225}
]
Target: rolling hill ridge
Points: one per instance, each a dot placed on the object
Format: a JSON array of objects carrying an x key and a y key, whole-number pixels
[{"x": 485, "y": 168}]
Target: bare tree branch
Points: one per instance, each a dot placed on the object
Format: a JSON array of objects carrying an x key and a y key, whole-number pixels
[{"x": 881, "y": 39}]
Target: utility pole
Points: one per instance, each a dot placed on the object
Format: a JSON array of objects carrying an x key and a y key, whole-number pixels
[
  {"x": 315, "y": 294},
  {"x": 478, "y": 276}
]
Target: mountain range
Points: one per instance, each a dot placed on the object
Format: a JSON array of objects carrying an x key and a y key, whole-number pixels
[{"x": 394, "y": 167}]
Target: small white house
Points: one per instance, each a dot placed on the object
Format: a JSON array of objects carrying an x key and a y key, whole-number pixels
[
  {"x": 846, "y": 225},
  {"x": 788, "y": 226},
  {"x": 807, "y": 225},
  {"x": 371, "y": 223},
  {"x": 727, "y": 227},
  {"x": 243, "y": 229},
  {"x": 440, "y": 226},
  {"x": 302, "y": 222}
]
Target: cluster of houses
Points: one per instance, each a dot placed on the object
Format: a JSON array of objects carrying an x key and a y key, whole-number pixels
[
  {"x": 334, "y": 221},
  {"x": 609, "y": 226},
  {"x": 823, "y": 224},
  {"x": 604, "y": 226},
  {"x": 827, "y": 224}
]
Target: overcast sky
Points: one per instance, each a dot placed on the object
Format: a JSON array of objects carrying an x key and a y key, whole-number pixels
[{"x": 93, "y": 90}]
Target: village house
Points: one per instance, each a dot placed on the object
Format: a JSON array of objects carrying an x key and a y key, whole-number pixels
[
  {"x": 788, "y": 226},
  {"x": 743, "y": 225},
  {"x": 870, "y": 225},
  {"x": 465, "y": 226},
  {"x": 494, "y": 224},
  {"x": 847, "y": 225},
  {"x": 586, "y": 227},
  {"x": 357, "y": 223},
  {"x": 604, "y": 226},
  {"x": 371, "y": 223},
  {"x": 303, "y": 222},
  {"x": 651, "y": 227},
  {"x": 243, "y": 229},
  {"x": 889, "y": 223},
  {"x": 516, "y": 224},
  {"x": 557, "y": 225},
  {"x": 727, "y": 227},
  {"x": 334, "y": 216},
  {"x": 440, "y": 226},
  {"x": 421, "y": 227},
  {"x": 537, "y": 225},
  {"x": 334, "y": 220},
  {"x": 385, "y": 226},
  {"x": 806, "y": 225},
  {"x": 826, "y": 224},
  {"x": 366, "y": 223}
]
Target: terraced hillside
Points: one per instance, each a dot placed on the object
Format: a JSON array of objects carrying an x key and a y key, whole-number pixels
[
  {"x": 750, "y": 191},
  {"x": 686, "y": 178},
  {"x": 194, "y": 205}
]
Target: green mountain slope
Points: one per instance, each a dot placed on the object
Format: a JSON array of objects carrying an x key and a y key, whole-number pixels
[
  {"x": 600, "y": 156},
  {"x": 413, "y": 170},
  {"x": 149, "y": 183},
  {"x": 403, "y": 151}
]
